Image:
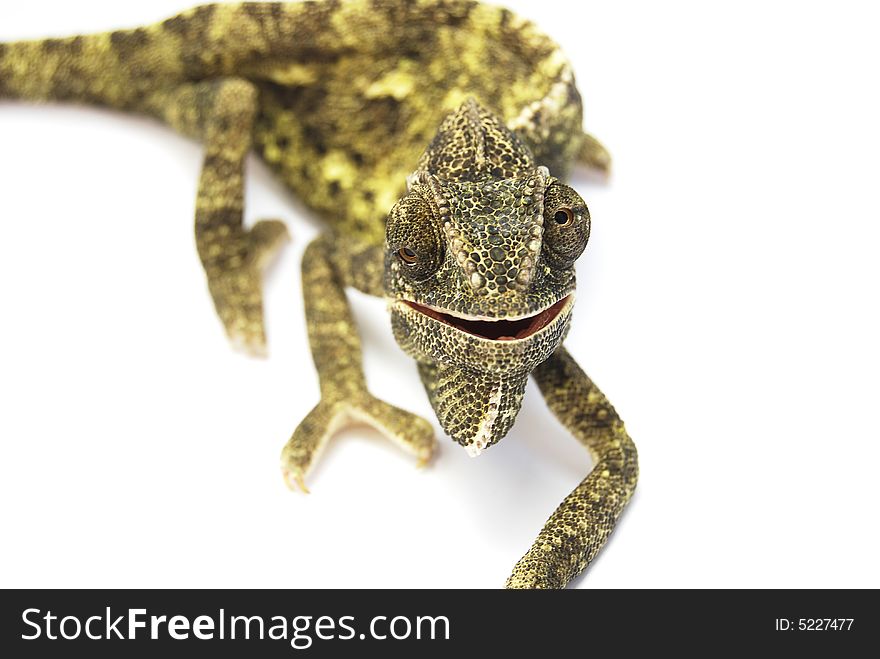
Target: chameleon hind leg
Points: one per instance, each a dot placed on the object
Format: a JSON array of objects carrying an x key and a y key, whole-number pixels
[
  {"x": 336, "y": 350},
  {"x": 221, "y": 113},
  {"x": 581, "y": 524},
  {"x": 593, "y": 154}
]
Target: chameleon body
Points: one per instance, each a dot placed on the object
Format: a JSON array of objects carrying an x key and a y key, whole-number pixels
[{"x": 461, "y": 119}]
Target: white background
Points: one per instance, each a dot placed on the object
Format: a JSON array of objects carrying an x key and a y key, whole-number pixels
[{"x": 728, "y": 307}]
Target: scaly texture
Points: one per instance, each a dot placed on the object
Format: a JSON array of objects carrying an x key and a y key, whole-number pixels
[
  {"x": 575, "y": 533},
  {"x": 476, "y": 257},
  {"x": 477, "y": 291}
]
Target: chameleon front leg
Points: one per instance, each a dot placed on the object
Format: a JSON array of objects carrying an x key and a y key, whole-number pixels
[
  {"x": 336, "y": 350},
  {"x": 578, "y": 529},
  {"x": 221, "y": 113}
]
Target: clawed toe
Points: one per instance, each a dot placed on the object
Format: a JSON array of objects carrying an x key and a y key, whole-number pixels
[
  {"x": 411, "y": 432},
  {"x": 294, "y": 480}
]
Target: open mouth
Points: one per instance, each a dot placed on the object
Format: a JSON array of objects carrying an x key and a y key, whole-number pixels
[{"x": 497, "y": 330}]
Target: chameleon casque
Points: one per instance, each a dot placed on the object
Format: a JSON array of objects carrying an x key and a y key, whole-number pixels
[{"x": 459, "y": 118}]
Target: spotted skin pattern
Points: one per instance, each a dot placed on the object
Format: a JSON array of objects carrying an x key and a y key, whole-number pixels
[{"x": 460, "y": 118}]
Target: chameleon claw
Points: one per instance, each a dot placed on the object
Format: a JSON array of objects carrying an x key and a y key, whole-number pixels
[
  {"x": 251, "y": 346},
  {"x": 424, "y": 459},
  {"x": 295, "y": 482},
  {"x": 301, "y": 483}
]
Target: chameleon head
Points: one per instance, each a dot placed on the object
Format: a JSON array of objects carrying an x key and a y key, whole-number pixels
[{"x": 479, "y": 271}]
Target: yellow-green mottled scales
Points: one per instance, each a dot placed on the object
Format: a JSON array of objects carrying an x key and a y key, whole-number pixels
[{"x": 433, "y": 138}]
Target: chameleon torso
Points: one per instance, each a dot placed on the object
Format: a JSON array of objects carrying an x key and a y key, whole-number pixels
[
  {"x": 350, "y": 93},
  {"x": 346, "y": 128}
]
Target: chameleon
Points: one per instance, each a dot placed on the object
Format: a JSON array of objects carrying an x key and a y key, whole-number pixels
[{"x": 433, "y": 138}]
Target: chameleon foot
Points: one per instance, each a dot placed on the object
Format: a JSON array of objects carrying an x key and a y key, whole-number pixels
[
  {"x": 235, "y": 282},
  {"x": 409, "y": 431}
]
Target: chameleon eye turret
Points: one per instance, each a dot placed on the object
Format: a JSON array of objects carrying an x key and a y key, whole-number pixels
[
  {"x": 415, "y": 245},
  {"x": 567, "y": 226}
]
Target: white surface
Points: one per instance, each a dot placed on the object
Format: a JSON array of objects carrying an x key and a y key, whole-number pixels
[{"x": 728, "y": 307}]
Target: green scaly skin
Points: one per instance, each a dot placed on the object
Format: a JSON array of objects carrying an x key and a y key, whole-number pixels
[{"x": 476, "y": 257}]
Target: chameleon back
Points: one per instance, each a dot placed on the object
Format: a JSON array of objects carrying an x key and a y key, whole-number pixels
[
  {"x": 350, "y": 92},
  {"x": 345, "y": 129}
]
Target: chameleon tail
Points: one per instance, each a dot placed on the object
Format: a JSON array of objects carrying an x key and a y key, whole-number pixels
[
  {"x": 113, "y": 69},
  {"x": 120, "y": 68}
]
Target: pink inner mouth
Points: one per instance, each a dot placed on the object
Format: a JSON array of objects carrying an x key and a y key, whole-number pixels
[{"x": 497, "y": 330}]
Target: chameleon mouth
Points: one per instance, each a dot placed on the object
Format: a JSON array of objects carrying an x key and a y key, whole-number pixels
[{"x": 497, "y": 330}]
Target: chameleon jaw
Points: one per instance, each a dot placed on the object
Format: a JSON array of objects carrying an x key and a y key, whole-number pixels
[
  {"x": 492, "y": 371},
  {"x": 515, "y": 329}
]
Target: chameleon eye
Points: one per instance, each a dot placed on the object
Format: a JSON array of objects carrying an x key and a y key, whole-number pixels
[
  {"x": 407, "y": 255},
  {"x": 566, "y": 225},
  {"x": 414, "y": 242},
  {"x": 564, "y": 216}
]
